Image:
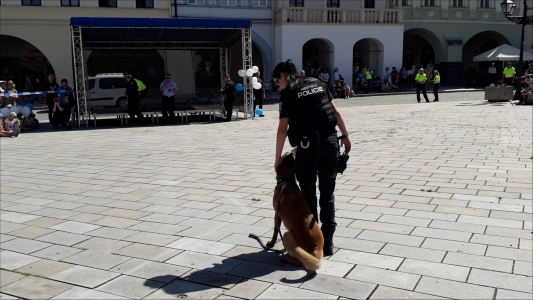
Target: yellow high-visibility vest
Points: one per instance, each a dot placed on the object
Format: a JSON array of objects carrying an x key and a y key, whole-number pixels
[{"x": 509, "y": 72}]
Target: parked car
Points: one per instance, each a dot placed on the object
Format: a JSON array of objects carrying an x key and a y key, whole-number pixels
[{"x": 108, "y": 89}]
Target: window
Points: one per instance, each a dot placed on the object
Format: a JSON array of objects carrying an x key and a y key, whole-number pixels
[
  {"x": 484, "y": 3},
  {"x": 91, "y": 84},
  {"x": 107, "y": 3},
  {"x": 145, "y": 3},
  {"x": 70, "y": 2},
  {"x": 31, "y": 2},
  {"x": 333, "y": 3},
  {"x": 227, "y": 2},
  {"x": 112, "y": 83},
  {"x": 259, "y": 2},
  {"x": 430, "y": 3},
  {"x": 404, "y": 2},
  {"x": 458, "y": 3},
  {"x": 196, "y": 1},
  {"x": 296, "y": 3},
  {"x": 370, "y": 4}
]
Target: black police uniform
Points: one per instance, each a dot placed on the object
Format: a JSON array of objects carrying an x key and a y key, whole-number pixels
[
  {"x": 312, "y": 130},
  {"x": 132, "y": 91},
  {"x": 51, "y": 87},
  {"x": 229, "y": 92}
]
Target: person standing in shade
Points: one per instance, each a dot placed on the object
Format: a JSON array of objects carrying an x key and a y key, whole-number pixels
[
  {"x": 259, "y": 93},
  {"x": 229, "y": 92},
  {"x": 420, "y": 81},
  {"x": 471, "y": 75},
  {"x": 132, "y": 92},
  {"x": 509, "y": 74},
  {"x": 168, "y": 87},
  {"x": 492, "y": 74},
  {"x": 436, "y": 85},
  {"x": 65, "y": 93},
  {"x": 51, "y": 86}
]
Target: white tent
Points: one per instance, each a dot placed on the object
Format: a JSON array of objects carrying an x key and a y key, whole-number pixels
[{"x": 503, "y": 53}]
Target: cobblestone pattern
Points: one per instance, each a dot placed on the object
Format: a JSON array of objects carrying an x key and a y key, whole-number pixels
[{"x": 436, "y": 203}]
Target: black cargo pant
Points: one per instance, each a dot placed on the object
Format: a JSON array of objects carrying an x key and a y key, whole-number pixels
[
  {"x": 421, "y": 87},
  {"x": 135, "y": 110},
  {"x": 319, "y": 159},
  {"x": 167, "y": 108},
  {"x": 228, "y": 105}
]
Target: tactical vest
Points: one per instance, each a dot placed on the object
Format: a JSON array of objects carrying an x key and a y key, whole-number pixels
[{"x": 314, "y": 112}]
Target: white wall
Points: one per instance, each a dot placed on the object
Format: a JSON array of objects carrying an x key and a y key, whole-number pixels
[
  {"x": 179, "y": 65},
  {"x": 291, "y": 38}
]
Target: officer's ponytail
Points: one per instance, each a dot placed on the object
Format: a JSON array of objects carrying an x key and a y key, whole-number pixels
[{"x": 289, "y": 68}]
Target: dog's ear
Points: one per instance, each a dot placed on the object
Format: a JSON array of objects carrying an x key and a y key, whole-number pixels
[{"x": 288, "y": 160}]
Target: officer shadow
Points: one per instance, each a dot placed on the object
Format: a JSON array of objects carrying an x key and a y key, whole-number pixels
[{"x": 239, "y": 269}]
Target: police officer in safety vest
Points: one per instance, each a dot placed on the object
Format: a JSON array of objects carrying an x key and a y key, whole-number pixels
[
  {"x": 509, "y": 74},
  {"x": 420, "y": 81},
  {"x": 132, "y": 92},
  {"x": 436, "y": 85},
  {"x": 307, "y": 109}
]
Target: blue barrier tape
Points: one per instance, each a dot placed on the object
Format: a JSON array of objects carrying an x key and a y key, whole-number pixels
[{"x": 31, "y": 93}]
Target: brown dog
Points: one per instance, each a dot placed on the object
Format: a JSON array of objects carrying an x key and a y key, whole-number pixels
[{"x": 303, "y": 240}]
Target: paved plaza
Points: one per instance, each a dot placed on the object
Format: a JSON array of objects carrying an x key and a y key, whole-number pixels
[{"x": 436, "y": 203}]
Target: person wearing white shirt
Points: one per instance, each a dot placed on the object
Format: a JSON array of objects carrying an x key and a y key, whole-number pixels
[
  {"x": 492, "y": 74},
  {"x": 386, "y": 75},
  {"x": 168, "y": 88}
]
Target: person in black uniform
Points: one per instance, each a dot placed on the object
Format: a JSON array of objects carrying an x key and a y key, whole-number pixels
[
  {"x": 229, "y": 92},
  {"x": 52, "y": 87},
  {"x": 307, "y": 108},
  {"x": 132, "y": 92}
]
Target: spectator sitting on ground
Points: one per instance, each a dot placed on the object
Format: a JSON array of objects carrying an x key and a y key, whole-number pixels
[
  {"x": 12, "y": 124},
  {"x": 57, "y": 110},
  {"x": 3, "y": 132},
  {"x": 30, "y": 123}
]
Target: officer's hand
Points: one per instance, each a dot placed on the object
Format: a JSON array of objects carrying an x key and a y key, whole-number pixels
[{"x": 345, "y": 141}]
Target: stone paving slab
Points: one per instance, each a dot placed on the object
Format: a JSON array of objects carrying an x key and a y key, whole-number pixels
[
  {"x": 435, "y": 203},
  {"x": 35, "y": 288}
]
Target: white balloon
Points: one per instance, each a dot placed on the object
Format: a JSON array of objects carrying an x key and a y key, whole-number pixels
[
  {"x": 13, "y": 109},
  {"x": 249, "y": 72},
  {"x": 255, "y": 69},
  {"x": 254, "y": 80},
  {"x": 257, "y": 85},
  {"x": 5, "y": 112},
  {"x": 241, "y": 73},
  {"x": 19, "y": 109},
  {"x": 26, "y": 111}
]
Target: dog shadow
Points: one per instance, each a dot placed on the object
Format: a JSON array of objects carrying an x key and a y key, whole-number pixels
[{"x": 198, "y": 283}]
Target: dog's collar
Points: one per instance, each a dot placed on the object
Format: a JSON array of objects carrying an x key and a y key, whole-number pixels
[{"x": 286, "y": 181}]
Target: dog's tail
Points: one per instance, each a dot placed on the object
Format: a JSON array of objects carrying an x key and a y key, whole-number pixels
[{"x": 310, "y": 262}]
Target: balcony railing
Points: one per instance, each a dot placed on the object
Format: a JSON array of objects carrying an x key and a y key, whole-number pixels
[{"x": 299, "y": 15}]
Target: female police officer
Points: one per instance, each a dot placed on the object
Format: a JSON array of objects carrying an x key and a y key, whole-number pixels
[{"x": 306, "y": 107}]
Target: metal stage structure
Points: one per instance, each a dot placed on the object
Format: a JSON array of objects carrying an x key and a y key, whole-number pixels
[{"x": 158, "y": 34}]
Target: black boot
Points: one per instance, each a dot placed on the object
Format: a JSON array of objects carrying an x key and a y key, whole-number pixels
[{"x": 328, "y": 245}]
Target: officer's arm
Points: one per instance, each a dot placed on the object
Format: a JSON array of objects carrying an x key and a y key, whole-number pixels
[
  {"x": 280, "y": 139},
  {"x": 345, "y": 140}
]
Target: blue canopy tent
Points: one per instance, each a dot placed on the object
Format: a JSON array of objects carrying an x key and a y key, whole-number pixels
[{"x": 158, "y": 34}]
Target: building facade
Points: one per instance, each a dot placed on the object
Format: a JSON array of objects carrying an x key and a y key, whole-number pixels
[{"x": 35, "y": 36}]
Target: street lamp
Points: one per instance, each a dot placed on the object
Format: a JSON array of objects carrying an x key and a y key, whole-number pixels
[{"x": 508, "y": 8}]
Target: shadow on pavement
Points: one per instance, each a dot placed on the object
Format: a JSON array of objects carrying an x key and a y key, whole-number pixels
[{"x": 232, "y": 270}]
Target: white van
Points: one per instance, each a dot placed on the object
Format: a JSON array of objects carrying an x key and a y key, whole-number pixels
[{"x": 108, "y": 89}]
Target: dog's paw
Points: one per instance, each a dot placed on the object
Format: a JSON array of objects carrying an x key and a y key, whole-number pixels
[{"x": 270, "y": 244}]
